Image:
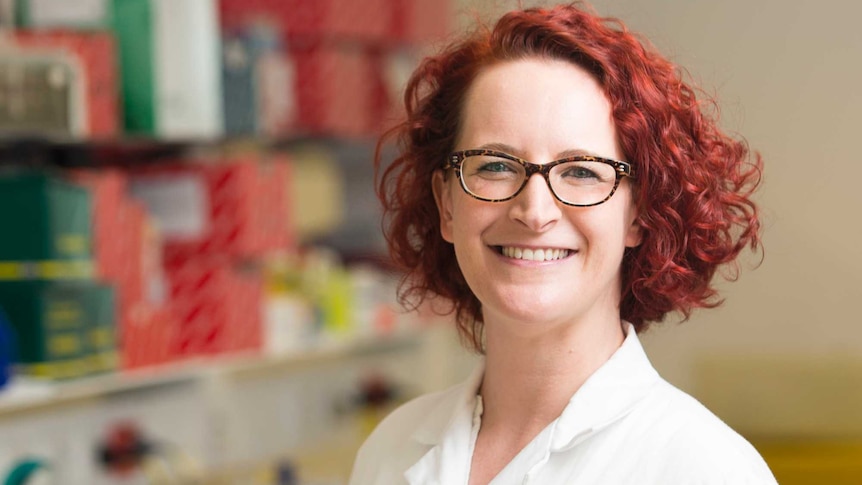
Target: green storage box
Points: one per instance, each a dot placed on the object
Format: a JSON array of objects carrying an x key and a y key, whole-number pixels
[
  {"x": 46, "y": 228},
  {"x": 170, "y": 63},
  {"x": 57, "y": 325},
  {"x": 101, "y": 328}
]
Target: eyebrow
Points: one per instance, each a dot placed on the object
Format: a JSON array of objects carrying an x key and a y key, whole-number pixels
[{"x": 574, "y": 152}]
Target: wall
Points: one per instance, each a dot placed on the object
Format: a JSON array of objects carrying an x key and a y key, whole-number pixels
[{"x": 788, "y": 78}]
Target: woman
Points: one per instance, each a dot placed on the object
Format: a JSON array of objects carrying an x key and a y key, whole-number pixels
[{"x": 560, "y": 185}]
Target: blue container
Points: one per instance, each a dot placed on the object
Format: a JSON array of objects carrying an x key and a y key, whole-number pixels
[{"x": 7, "y": 349}]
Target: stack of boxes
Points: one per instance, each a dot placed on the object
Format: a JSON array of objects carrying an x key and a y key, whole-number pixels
[
  {"x": 85, "y": 270},
  {"x": 127, "y": 249},
  {"x": 62, "y": 318},
  {"x": 164, "y": 263},
  {"x": 337, "y": 54},
  {"x": 93, "y": 108},
  {"x": 224, "y": 218},
  {"x": 202, "y": 69}
]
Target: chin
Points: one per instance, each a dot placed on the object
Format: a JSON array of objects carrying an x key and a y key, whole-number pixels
[{"x": 533, "y": 309}]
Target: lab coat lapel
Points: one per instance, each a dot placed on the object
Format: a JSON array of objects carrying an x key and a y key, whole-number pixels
[
  {"x": 447, "y": 432},
  {"x": 612, "y": 392}
]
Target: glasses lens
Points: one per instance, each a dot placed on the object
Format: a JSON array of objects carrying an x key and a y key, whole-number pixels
[
  {"x": 491, "y": 177},
  {"x": 583, "y": 183}
]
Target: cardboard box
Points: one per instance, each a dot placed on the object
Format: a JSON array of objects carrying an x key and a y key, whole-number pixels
[
  {"x": 53, "y": 322},
  {"x": 171, "y": 69},
  {"x": 419, "y": 22},
  {"x": 96, "y": 55},
  {"x": 218, "y": 308},
  {"x": 74, "y": 14},
  {"x": 258, "y": 83},
  {"x": 335, "y": 89},
  {"x": 237, "y": 209},
  {"x": 346, "y": 19},
  {"x": 47, "y": 228}
]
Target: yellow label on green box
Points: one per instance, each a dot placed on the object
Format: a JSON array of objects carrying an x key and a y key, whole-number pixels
[
  {"x": 46, "y": 270},
  {"x": 63, "y": 345}
]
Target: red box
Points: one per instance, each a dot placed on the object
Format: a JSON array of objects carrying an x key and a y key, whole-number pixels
[
  {"x": 127, "y": 253},
  {"x": 147, "y": 337},
  {"x": 108, "y": 190},
  {"x": 218, "y": 308},
  {"x": 97, "y": 54},
  {"x": 247, "y": 209},
  {"x": 147, "y": 325},
  {"x": 335, "y": 89},
  {"x": 419, "y": 21},
  {"x": 352, "y": 19}
]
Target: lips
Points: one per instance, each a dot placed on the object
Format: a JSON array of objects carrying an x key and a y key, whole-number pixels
[{"x": 534, "y": 254}]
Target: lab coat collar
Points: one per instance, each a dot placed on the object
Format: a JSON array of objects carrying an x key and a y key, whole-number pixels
[
  {"x": 607, "y": 396},
  {"x": 446, "y": 415},
  {"x": 447, "y": 432}
]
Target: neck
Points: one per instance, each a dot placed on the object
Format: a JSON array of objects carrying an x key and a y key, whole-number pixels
[{"x": 529, "y": 379}]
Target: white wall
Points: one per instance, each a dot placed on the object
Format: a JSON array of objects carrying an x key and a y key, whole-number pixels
[{"x": 788, "y": 75}]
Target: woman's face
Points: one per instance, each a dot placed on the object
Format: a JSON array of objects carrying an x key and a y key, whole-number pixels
[{"x": 538, "y": 110}]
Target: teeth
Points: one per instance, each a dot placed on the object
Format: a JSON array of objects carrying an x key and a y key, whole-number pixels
[{"x": 535, "y": 254}]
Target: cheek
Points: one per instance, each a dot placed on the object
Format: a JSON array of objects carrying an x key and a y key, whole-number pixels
[
  {"x": 470, "y": 216},
  {"x": 605, "y": 232}
]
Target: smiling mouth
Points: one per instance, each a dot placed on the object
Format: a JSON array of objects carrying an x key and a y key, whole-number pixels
[{"x": 548, "y": 254}]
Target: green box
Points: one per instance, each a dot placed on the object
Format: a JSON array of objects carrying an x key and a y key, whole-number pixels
[
  {"x": 47, "y": 230},
  {"x": 101, "y": 328},
  {"x": 55, "y": 325},
  {"x": 132, "y": 22},
  {"x": 170, "y": 67}
]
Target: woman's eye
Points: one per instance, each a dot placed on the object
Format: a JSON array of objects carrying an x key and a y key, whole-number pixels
[
  {"x": 496, "y": 167},
  {"x": 580, "y": 173}
]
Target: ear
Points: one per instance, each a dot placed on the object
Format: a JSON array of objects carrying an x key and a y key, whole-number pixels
[
  {"x": 443, "y": 197},
  {"x": 634, "y": 234}
]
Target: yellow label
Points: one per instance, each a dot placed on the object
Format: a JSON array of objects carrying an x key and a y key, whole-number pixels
[
  {"x": 103, "y": 361},
  {"x": 61, "y": 369},
  {"x": 48, "y": 270},
  {"x": 10, "y": 271},
  {"x": 64, "y": 314},
  {"x": 102, "y": 338},
  {"x": 58, "y": 270},
  {"x": 71, "y": 244},
  {"x": 64, "y": 345}
]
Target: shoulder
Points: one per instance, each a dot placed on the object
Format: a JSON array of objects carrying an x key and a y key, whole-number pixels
[
  {"x": 698, "y": 447},
  {"x": 404, "y": 421},
  {"x": 400, "y": 440}
]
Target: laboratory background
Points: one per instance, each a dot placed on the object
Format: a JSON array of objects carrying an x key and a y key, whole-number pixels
[{"x": 194, "y": 287}]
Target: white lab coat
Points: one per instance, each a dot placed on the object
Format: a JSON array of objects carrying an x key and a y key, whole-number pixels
[{"x": 625, "y": 425}]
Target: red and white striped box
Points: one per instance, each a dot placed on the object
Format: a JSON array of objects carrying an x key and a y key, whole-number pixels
[
  {"x": 365, "y": 20},
  {"x": 108, "y": 190},
  {"x": 236, "y": 209},
  {"x": 127, "y": 253},
  {"x": 147, "y": 324},
  {"x": 419, "y": 22},
  {"x": 218, "y": 308},
  {"x": 96, "y": 52},
  {"x": 335, "y": 89},
  {"x": 147, "y": 337}
]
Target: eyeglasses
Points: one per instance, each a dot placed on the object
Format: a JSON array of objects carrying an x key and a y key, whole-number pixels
[{"x": 580, "y": 181}]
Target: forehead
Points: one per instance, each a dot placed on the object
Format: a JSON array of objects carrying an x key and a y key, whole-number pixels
[{"x": 540, "y": 107}]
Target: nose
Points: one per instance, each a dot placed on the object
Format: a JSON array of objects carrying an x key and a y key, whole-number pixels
[{"x": 536, "y": 207}]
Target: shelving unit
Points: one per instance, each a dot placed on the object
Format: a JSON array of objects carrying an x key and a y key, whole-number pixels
[
  {"x": 326, "y": 81},
  {"x": 29, "y": 396},
  {"x": 232, "y": 413}
]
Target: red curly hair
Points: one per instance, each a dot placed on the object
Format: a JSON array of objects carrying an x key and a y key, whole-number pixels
[{"x": 693, "y": 187}]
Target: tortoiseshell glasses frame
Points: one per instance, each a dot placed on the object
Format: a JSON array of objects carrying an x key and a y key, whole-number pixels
[{"x": 456, "y": 159}]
